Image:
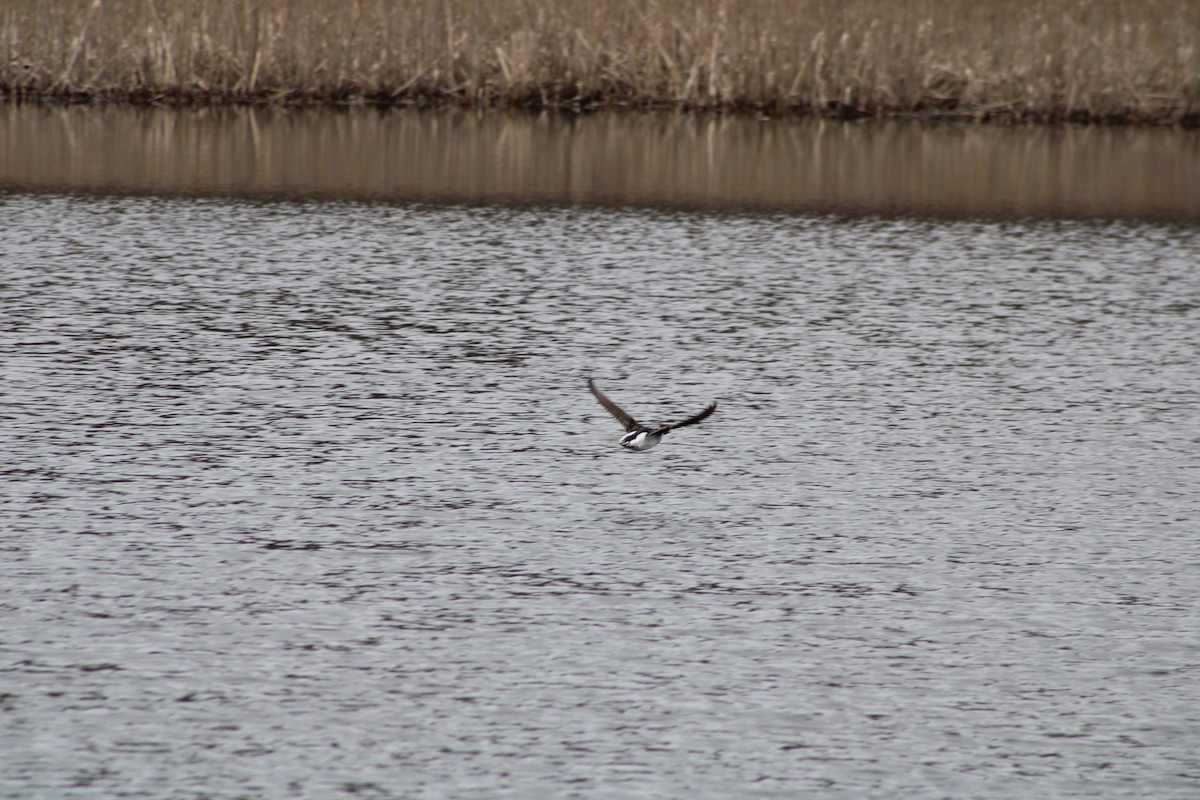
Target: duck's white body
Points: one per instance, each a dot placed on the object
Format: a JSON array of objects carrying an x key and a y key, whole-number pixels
[{"x": 640, "y": 440}]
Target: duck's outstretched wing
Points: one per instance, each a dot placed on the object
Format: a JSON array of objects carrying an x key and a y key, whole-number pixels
[
  {"x": 692, "y": 420},
  {"x": 627, "y": 421}
]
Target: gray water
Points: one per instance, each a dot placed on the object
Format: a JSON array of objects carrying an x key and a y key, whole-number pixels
[{"x": 311, "y": 501}]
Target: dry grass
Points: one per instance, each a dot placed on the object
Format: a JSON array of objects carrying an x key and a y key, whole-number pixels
[{"x": 1115, "y": 60}]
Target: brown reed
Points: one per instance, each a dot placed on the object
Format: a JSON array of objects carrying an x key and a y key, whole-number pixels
[{"x": 1085, "y": 60}]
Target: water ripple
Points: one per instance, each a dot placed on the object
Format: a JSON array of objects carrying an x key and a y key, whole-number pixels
[{"x": 310, "y": 500}]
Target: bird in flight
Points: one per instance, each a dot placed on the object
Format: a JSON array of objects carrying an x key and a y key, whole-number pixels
[{"x": 638, "y": 436}]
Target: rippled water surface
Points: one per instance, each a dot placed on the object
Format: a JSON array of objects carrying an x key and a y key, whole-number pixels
[{"x": 311, "y": 501}]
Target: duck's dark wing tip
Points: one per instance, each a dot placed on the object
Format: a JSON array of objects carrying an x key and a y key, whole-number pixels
[
  {"x": 692, "y": 420},
  {"x": 628, "y": 422}
]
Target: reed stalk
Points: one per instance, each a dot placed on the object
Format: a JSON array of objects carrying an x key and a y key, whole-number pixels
[{"x": 1086, "y": 60}]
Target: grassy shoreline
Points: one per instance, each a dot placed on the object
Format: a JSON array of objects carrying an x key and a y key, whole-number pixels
[{"x": 1012, "y": 60}]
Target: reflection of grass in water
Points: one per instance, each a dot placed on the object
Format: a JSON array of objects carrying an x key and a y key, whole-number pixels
[{"x": 1080, "y": 59}]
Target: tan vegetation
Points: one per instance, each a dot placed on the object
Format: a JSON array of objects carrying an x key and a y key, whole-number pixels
[{"x": 1117, "y": 60}]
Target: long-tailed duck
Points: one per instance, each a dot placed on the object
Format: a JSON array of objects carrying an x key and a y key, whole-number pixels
[{"x": 638, "y": 436}]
